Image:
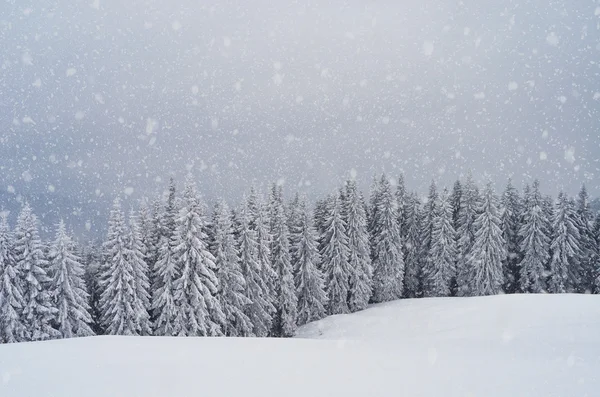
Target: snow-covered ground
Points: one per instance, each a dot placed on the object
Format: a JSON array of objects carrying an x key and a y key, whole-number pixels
[{"x": 518, "y": 345}]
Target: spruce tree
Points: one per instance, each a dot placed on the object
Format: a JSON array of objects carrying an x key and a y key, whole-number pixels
[
  {"x": 334, "y": 259},
  {"x": 485, "y": 275},
  {"x": 534, "y": 243},
  {"x": 388, "y": 264},
  {"x": 442, "y": 255},
  {"x": 68, "y": 288},
  {"x": 231, "y": 281},
  {"x": 135, "y": 255},
  {"x": 564, "y": 247},
  {"x": 38, "y": 312},
  {"x": 596, "y": 255},
  {"x": 455, "y": 199},
  {"x": 121, "y": 306},
  {"x": 401, "y": 198},
  {"x": 256, "y": 275},
  {"x": 284, "y": 321},
  {"x": 466, "y": 234},
  {"x": 92, "y": 263},
  {"x": 427, "y": 223},
  {"x": 198, "y": 310},
  {"x": 412, "y": 248},
  {"x": 586, "y": 241},
  {"x": 359, "y": 259},
  {"x": 12, "y": 302},
  {"x": 510, "y": 219},
  {"x": 310, "y": 288}
]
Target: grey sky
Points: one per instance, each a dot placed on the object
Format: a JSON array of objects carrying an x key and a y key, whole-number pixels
[{"x": 112, "y": 97}]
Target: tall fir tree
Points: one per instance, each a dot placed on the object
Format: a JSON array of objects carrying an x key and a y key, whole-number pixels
[
  {"x": 284, "y": 321},
  {"x": 388, "y": 263},
  {"x": 12, "y": 302},
  {"x": 310, "y": 287},
  {"x": 596, "y": 255},
  {"x": 442, "y": 255},
  {"x": 455, "y": 199},
  {"x": 586, "y": 241},
  {"x": 412, "y": 248},
  {"x": 334, "y": 259},
  {"x": 198, "y": 310},
  {"x": 256, "y": 274},
  {"x": 38, "y": 312},
  {"x": 510, "y": 219},
  {"x": 466, "y": 234},
  {"x": 92, "y": 257},
  {"x": 120, "y": 304},
  {"x": 135, "y": 255},
  {"x": 401, "y": 198},
  {"x": 231, "y": 281},
  {"x": 534, "y": 243},
  {"x": 427, "y": 223},
  {"x": 489, "y": 248},
  {"x": 564, "y": 247},
  {"x": 68, "y": 288},
  {"x": 359, "y": 258}
]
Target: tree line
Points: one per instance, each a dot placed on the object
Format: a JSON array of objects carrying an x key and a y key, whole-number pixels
[{"x": 175, "y": 268}]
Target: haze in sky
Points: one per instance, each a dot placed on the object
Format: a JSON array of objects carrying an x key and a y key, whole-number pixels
[{"x": 105, "y": 97}]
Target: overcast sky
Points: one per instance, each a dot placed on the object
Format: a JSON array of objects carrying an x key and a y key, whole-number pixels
[{"x": 107, "y": 97}]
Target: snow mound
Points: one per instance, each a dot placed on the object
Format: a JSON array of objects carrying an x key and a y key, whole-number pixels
[{"x": 513, "y": 345}]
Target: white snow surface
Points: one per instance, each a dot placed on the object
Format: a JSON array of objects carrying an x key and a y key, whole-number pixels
[{"x": 511, "y": 345}]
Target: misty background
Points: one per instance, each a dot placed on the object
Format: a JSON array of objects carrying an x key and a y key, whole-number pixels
[{"x": 100, "y": 98}]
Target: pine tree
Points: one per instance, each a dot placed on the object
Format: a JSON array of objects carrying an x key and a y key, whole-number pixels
[
  {"x": 412, "y": 248},
  {"x": 564, "y": 247},
  {"x": 294, "y": 215},
  {"x": 401, "y": 198},
  {"x": 427, "y": 223},
  {"x": 489, "y": 248},
  {"x": 92, "y": 264},
  {"x": 361, "y": 271},
  {"x": 596, "y": 255},
  {"x": 12, "y": 302},
  {"x": 284, "y": 321},
  {"x": 135, "y": 255},
  {"x": 261, "y": 307},
  {"x": 120, "y": 304},
  {"x": 68, "y": 287},
  {"x": 231, "y": 281},
  {"x": 38, "y": 312},
  {"x": 372, "y": 215},
  {"x": 149, "y": 240},
  {"x": 510, "y": 219},
  {"x": 534, "y": 243},
  {"x": 455, "y": 199},
  {"x": 466, "y": 234},
  {"x": 198, "y": 310},
  {"x": 442, "y": 255},
  {"x": 334, "y": 259},
  {"x": 388, "y": 264},
  {"x": 586, "y": 240},
  {"x": 310, "y": 288}
]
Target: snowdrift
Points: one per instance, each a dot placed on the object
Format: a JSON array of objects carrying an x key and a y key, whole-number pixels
[{"x": 517, "y": 345}]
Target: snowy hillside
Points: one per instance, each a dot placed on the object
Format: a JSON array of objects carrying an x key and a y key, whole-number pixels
[{"x": 512, "y": 345}]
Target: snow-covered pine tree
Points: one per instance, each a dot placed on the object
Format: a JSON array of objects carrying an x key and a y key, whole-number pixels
[
  {"x": 135, "y": 255},
  {"x": 259, "y": 223},
  {"x": 92, "y": 258},
  {"x": 12, "y": 328},
  {"x": 372, "y": 215},
  {"x": 231, "y": 281},
  {"x": 310, "y": 287},
  {"x": 149, "y": 239},
  {"x": 359, "y": 258},
  {"x": 510, "y": 218},
  {"x": 334, "y": 259},
  {"x": 120, "y": 304},
  {"x": 38, "y": 312},
  {"x": 412, "y": 248},
  {"x": 596, "y": 256},
  {"x": 586, "y": 240},
  {"x": 388, "y": 263},
  {"x": 401, "y": 197},
  {"x": 68, "y": 288},
  {"x": 455, "y": 199},
  {"x": 294, "y": 219},
  {"x": 261, "y": 308},
  {"x": 564, "y": 247},
  {"x": 442, "y": 255},
  {"x": 466, "y": 234},
  {"x": 166, "y": 269},
  {"x": 427, "y": 222},
  {"x": 198, "y": 309},
  {"x": 284, "y": 321},
  {"x": 534, "y": 243},
  {"x": 485, "y": 275}
]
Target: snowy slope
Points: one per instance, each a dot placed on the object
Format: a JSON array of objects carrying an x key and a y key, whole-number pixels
[{"x": 544, "y": 345}]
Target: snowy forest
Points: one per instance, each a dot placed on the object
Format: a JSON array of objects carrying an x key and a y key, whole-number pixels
[{"x": 176, "y": 266}]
